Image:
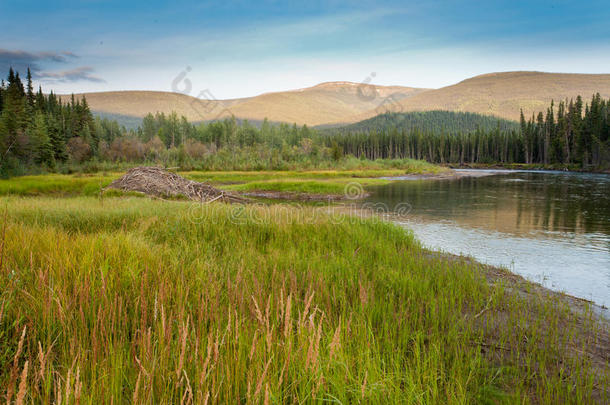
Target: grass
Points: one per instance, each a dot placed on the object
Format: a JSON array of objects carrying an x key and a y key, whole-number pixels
[
  {"x": 335, "y": 186},
  {"x": 306, "y": 181},
  {"x": 136, "y": 300},
  {"x": 56, "y": 184}
]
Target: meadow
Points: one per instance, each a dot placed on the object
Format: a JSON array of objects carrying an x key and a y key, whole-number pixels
[
  {"x": 124, "y": 299},
  {"x": 327, "y": 181}
]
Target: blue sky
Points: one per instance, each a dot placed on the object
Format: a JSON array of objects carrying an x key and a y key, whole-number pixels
[{"x": 241, "y": 48}]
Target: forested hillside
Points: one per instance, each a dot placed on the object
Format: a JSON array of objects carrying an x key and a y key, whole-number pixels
[
  {"x": 429, "y": 121},
  {"x": 571, "y": 133}
]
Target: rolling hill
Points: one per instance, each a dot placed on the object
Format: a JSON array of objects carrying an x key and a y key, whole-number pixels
[
  {"x": 334, "y": 103},
  {"x": 504, "y": 94}
]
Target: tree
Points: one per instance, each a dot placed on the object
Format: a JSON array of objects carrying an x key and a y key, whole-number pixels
[
  {"x": 41, "y": 103},
  {"x": 79, "y": 149},
  {"x": 41, "y": 147},
  {"x": 336, "y": 151},
  {"x": 1, "y": 95},
  {"x": 526, "y": 137},
  {"x": 58, "y": 143},
  {"x": 30, "y": 90}
]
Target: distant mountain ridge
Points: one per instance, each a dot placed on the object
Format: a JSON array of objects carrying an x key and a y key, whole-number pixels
[
  {"x": 505, "y": 94},
  {"x": 332, "y": 102},
  {"x": 499, "y": 94}
]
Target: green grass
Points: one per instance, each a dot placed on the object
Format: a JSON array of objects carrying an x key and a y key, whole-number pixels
[
  {"x": 329, "y": 182},
  {"x": 56, "y": 184},
  {"x": 125, "y": 299},
  {"x": 335, "y": 186},
  {"x": 241, "y": 177},
  {"x": 306, "y": 181}
]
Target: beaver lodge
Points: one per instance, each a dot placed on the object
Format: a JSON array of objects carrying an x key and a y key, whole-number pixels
[{"x": 161, "y": 183}]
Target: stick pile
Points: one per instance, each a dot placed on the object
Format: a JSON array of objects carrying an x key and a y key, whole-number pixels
[{"x": 158, "y": 182}]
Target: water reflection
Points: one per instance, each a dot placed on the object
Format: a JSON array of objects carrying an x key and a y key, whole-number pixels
[
  {"x": 551, "y": 227},
  {"x": 516, "y": 203}
]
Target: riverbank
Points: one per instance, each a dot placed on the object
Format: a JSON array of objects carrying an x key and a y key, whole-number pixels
[{"x": 146, "y": 300}]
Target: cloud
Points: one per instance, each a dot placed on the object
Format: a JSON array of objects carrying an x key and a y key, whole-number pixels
[
  {"x": 82, "y": 73},
  {"x": 21, "y": 60}
]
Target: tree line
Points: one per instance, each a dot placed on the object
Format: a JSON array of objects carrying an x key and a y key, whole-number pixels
[
  {"x": 43, "y": 132},
  {"x": 38, "y": 130},
  {"x": 572, "y": 134}
]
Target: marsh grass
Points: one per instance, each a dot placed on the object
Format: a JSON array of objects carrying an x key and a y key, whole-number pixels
[
  {"x": 307, "y": 181},
  {"x": 334, "y": 186},
  {"x": 126, "y": 299}
]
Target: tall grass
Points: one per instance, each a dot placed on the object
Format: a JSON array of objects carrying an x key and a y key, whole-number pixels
[
  {"x": 120, "y": 300},
  {"x": 239, "y": 160},
  {"x": 304, "y": 181}
]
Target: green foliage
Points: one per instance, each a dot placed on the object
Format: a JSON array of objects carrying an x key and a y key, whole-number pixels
[
  {"x": 35, "y": 129},
  {"x": 41, "y": 146},
  {"x": 428, "y": 121}
]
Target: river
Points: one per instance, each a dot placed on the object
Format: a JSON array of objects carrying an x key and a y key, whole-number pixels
[{"x": 550, "y": 227}]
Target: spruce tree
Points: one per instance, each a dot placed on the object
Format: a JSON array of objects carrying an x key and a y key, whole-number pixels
[
  {"x": 11, "y": 76},
  {"x": 30, "y": 90},
  {"x": 1, "y": 95},
  {"x": 56, "y": 137},
  {"x": 42, "y": 149},
  {"x": 526, "y": 137},
  {"x": 41, "y": 103},
  {"x": 19, "y": 85}
]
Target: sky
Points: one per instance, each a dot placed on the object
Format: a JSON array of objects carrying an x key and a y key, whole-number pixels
[{"x": 230, "y": 49}]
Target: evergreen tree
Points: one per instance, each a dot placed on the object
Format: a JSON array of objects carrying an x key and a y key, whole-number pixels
[
  {"x": 525, "y": 133},
  {"x": 1, "y": 95},
  {"x": 56, "y": 138},
  {"x": 19, "y": 85},
  {"x": 41, "y": 103},
  {"x": 30, "y": 90},
  {"x": 42, "y": 150}
]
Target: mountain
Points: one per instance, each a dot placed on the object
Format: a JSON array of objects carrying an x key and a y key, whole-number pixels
[
  {"x": 504, "y": 94},
  {"x": 429, "y": 121},
  {"x": 333, "y": 102}
]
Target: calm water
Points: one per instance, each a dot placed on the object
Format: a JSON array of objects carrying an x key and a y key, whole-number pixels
[{"x": 550, "y": 227}]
